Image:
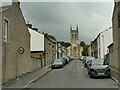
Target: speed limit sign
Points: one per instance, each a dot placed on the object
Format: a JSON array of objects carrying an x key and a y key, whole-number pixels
[{"x": 21, "y": 50}]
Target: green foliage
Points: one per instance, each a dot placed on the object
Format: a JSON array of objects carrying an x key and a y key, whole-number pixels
[
  {"x": 52, "y": 37},
  {"x": 85, "y": 48},
  {"x": 65, "y": 44},
  {"x": 82, "y": 43}
]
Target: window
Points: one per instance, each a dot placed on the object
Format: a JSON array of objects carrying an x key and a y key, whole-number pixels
[
  {"x": 76, "y": 36},
  {"x": 74, "y": 48},
  {"x": 118, "y": 20},
  {"x": 5, "y": 30},
  {"x": 72, "y": 36}
]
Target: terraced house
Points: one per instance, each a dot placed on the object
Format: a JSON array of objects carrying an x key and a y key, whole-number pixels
[{"x": 14, "y": 35}]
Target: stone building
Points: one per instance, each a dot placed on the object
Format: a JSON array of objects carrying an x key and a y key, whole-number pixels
[
  {"x": 60, "y": 50},
  {"x": 115, "y": 60},
  {"x": 14, "y": 35},
  {"x": 37, "y": 48},
  {"x": 75, "y": 49},
  {"x": 94, "y": 48},
  {"x": 89, "y": 50},
  {"x": 0, "y": 48},
  {"x": 50, "y": 49},
  {"x": 43, "y": 48}
]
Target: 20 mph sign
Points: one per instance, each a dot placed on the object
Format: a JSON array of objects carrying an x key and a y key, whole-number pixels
[{"x": 21, "y": 50}]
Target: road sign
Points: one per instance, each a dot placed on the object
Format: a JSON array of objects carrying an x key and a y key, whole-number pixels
[{"x": 21, "y": 50}]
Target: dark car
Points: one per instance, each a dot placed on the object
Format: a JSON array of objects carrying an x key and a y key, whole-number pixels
[
  {"x": 97, "y": 67},
  {"x": 86, "y": 60},
  {"x": 57, "y": 64}
]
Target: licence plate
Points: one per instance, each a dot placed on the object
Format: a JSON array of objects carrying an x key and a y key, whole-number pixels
[{"x": 100, "y": 73}]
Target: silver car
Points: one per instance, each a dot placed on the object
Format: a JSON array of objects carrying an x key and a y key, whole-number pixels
[
  {"x": 97, "y": 67},
  {"x": 57, "y": 64},
  {"x": 86, "y": 60}
]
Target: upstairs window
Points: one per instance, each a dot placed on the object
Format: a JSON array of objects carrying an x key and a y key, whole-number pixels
[
  {"x": 72, "y": 36},
  {"x": 118, "y": 20},
  {"x": 5, "y": 30}
]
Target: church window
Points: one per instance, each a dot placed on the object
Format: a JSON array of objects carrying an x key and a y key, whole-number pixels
[
  {"x": 74, "y": 48},
  {"x": 72, "y": 35}
]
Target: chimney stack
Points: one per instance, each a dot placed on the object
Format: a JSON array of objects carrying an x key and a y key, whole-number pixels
[
  {"x": 29, "y": 25},
  {"x": 36, "y": 29},
  {"x": 16, "y": 2}
]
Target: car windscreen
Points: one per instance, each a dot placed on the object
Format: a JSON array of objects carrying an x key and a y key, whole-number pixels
[
  {"x": 89, "y": 58},
  {"x": 57, "y": 61},
  {"x": 97, "y": 62}
]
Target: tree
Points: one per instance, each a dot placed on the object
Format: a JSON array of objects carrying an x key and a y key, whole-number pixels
[
  {"x": 52, "y": 37},
  {"x": 82, "y": 43},
  {"x": 85, "y": 48},
  {"x": 65, "y": 44}
]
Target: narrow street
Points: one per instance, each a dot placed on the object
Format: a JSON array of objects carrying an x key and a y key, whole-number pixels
[{"x": 73, "y": 75}]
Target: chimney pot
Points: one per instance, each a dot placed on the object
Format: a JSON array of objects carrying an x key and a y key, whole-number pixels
[{"x": 16, "y": 2}]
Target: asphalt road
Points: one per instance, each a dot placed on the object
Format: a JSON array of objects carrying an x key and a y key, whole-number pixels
[{"x": 73, "y": 75}]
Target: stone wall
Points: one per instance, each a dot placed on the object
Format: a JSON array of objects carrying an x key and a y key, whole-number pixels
[{"x": 0, "y": 48}]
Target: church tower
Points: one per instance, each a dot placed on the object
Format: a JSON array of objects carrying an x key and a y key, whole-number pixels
[{"x": 74, "y": 41}]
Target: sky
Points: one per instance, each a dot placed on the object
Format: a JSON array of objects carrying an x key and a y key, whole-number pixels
[{"x": 55, "y": 18}]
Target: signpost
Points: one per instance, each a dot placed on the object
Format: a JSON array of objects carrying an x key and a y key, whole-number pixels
[{"x": 21, "y": 50}]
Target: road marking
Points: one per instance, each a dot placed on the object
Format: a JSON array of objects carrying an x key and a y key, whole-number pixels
[
  {"x": 73, "y": 74},
  {"x": 82, "y": 67}
]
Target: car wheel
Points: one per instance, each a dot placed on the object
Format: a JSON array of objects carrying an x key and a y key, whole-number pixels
[
  {"x": 85, "y": 65},
  {"x": 52, "y": 67},
  {"x": 90, "y": 74},
  {"x": 109, "y": 74}
]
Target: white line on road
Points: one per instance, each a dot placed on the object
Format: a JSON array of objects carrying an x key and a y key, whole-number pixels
[
  {"x": 73, "y": 74},
  {"x": 82, "y": 67}
]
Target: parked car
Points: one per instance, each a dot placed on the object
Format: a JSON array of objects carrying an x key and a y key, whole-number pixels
[
  {"x": 86, "y": 60},
  {"x": 63, "y": 60},
  {"x": 72, "y": 58},
  {"x": 66, "y": 59},
  {"x": 98, "y": 68},
  {"x": 81, "y": 58},
  {"x": 57, "y": 64}
]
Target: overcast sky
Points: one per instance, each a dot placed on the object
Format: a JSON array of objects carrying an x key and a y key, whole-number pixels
[{"x": 56, "y": 17}]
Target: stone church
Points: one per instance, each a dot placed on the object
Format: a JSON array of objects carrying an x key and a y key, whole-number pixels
[{"x": 75, "y": 49}]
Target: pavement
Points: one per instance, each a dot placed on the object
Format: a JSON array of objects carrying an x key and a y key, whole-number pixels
[{"x": 27, "y": 79}]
